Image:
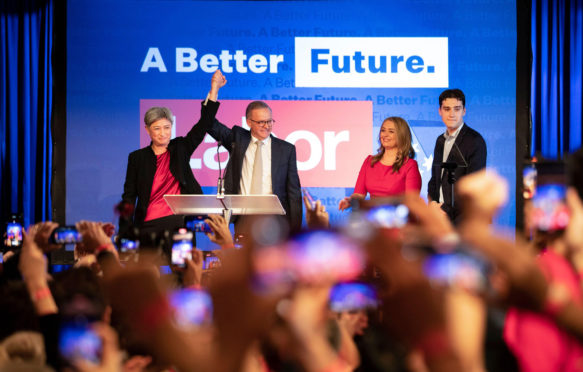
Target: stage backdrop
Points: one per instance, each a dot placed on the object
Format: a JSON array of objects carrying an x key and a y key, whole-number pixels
[{"x": 331, "y": 70}]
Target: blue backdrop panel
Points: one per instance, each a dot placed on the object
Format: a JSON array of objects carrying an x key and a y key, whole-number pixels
[{"x": 110, "y": 42}]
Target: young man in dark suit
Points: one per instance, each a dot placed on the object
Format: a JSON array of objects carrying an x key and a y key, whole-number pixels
[
  {"x": 460, "y": 150},
  {"x": 277, "y": 173}
]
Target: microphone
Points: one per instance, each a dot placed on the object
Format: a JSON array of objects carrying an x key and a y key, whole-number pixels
[
  {"x": 449, "y": 165},
  {"x": 220, "y": 181}
]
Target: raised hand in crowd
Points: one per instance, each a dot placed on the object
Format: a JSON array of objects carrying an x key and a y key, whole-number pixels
[
  {"x": 33, "y": 263},
  {"x": 350, "y": 325},
  {"x": 413, "y": 310},
  {"x": 111, "y": 355},
  {"x": 221, "y": 234},
  {"x": 241, "y": 315},
  {"x": 529, "y": 286},
  {"x": 306, "y": 315},
  {"x": 137, "y": 363},
  {"x": 95, "y": 239},
  {"x": 513, "y": 259},
  {"x": 108, "y": 228},
  {"x": 483, "y": 193},
  {"x": 432, "y": 226},
  {"x": 193, "y": 271},
  {"x": 316, "y": 215},
  {"x": 42, "y": 233},
  {"x": 573, "y": 233},
  {"x": 138, "y": 297},
  {"x": 354, "y": 322},
  {"x": 465, "y": 311},
  {"x": 33, "y": 268}
]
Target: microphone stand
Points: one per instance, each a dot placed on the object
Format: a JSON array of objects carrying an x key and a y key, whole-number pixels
[
  {"x": 221, "y": 188},
  {"x": 450, "y": 168},
  {"x": 221, "y": 180}
]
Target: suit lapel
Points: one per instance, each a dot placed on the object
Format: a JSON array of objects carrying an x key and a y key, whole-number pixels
[
  {"x": 245, "y": 140},
  {"x": 441, "y": 171},
  {"x": 275, "y": 150},
  {"x": 457, "y": 142}
]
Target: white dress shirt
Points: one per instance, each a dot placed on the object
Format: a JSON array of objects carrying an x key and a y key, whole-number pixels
[
  {"x": 448, "y": 144},
  {"x": 247, "y": 171}
]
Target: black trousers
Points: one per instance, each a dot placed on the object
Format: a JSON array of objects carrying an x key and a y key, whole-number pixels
[{"x": 169, "y": 223}]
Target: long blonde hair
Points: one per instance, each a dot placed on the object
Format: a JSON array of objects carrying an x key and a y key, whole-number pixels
[{"x": 405, "y": 148}]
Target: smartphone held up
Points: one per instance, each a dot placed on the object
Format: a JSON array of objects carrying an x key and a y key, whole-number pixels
[
  {"x": 181, "y": 248},
  {"x": 78, "y": 341},
  {"x": 65, "y": 235}
]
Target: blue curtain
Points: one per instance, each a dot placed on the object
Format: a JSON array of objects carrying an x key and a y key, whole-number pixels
[
  {"x": 557, "y": 79},
  {"x": 26, "y": 31}
]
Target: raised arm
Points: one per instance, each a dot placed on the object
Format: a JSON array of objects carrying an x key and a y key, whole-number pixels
[
  {"x": 222, "y": 133},
  {"x": 217, "y": 82},
  {"x": 33, "y": 268},
  {"x": 207, "y": 113}
]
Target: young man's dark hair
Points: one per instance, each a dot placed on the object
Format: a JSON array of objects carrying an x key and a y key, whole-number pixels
[
  {"x": 75, "y": 284},
  {"x": 452, "y": 93}
]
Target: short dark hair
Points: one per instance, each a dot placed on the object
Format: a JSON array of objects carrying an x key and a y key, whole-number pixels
[
  {"x": 256, "y": 105},
  {"x": 17, "y": 311},
  {"x": 452, "y": 93},
  {"x": 83, "y": 282}
]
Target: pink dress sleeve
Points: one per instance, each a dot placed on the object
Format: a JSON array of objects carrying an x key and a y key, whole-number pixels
[
  {"x": 360, "y": 187},
  {"x": 413, "y": 177}
]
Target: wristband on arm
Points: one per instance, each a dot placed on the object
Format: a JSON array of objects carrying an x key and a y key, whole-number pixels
[
  {"x": 41, "y": 294},
  {"x": 103, "y": 247}
]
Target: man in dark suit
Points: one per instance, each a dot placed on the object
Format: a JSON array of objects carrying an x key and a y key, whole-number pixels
[
  {"x": 459, "y": 151},
  {"x": 277, "y": 172}
]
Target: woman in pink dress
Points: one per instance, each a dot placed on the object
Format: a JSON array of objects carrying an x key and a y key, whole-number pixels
[{"x": 392, "y": 171}]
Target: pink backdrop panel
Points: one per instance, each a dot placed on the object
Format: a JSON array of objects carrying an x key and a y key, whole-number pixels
[{"x": 332, "y": 138}]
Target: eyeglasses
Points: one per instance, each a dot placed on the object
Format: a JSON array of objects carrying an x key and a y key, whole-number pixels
[{"x": 264, "y": 123}]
